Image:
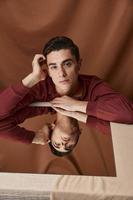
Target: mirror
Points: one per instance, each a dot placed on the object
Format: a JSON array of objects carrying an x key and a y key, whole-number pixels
[
  {"x": 93, "y": 154},
  {"x": 102, "y": 51}
]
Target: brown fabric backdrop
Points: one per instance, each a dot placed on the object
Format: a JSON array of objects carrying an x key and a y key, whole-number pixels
[{"x": 103, "y": 30}]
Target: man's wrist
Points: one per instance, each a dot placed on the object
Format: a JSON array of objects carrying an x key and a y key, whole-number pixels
[
  {"x": 81, "y": 106},
  {"x": 80, "y": 116},
  {"x": 30, "y": 80},
  {"x": 38, "y": 139}
]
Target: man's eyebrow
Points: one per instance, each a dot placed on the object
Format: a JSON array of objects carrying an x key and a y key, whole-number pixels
[
  {"x": 69, "y": 59},
  {"x": 51, "y": 64}
]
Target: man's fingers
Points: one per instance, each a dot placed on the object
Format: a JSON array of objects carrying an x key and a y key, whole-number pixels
[
  {"x": 57, "y": 110},
  {"x": 39, "y": 58},
  {"x": 41, "y": 61},
  {"x": 62, "y": 111},
  {"x": 62, "y": 106},
  {"x": 56, "y": 105},
  {"x": 56, "y": 100},
  {"x": 59, "y": 99}
]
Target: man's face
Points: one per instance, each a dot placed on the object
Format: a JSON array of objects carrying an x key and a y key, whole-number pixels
[
  {"x": 63, "y": 140},
  {"x": 63, "y": 68}
]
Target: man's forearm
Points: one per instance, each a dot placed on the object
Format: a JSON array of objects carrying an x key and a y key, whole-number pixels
[
  {"x": 38, "y": 139},
  {"x": 81, "y": 106},
  {"x": 30, "y": 80},
  {"x": 42, "y": 136},
  {"x": 82, "y": 117}
]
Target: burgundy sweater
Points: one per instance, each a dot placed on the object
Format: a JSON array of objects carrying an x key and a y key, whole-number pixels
[{"x": 104, "y": 105}]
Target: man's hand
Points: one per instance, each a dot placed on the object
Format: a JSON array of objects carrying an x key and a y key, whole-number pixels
[
  {"x": 38, "y": 73},
  {"x": 64, "y": 112},
  {"x": 69, "y": 104},
  {"x": 82, "y": 117},
  {"x": 37, "y": 63}
]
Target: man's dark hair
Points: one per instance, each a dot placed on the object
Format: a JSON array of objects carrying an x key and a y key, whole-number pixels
[
  {"x": 59, "y": 153},
  {"x": 61, "y": 42}
]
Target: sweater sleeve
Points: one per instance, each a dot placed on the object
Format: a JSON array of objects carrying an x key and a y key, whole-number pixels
[
  {"x": 10, "y": 98},
  {"x": 17, "y": 97},
  {"x": 9, "y": 126},
  {"x": 14, "y": 109},
  {"x": 108, "y": 105},
  {"x": 10, "y": 130},
  {"x": 100, "y": 125}
]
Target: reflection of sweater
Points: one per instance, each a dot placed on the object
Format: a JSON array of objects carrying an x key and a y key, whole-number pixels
[{"x": 103, "y": 103}]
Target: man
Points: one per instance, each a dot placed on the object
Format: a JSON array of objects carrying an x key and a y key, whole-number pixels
[
  {"x": 62, "y": 135},
  {"x": 83, "y": 97}
]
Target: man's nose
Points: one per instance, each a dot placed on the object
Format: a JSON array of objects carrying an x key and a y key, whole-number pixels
[{"x": 62, "y": 72}]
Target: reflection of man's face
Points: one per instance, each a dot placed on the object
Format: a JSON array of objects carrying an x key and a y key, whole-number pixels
[
  {"x": 63, "y": 140},
  {"x": 63, "y": 69}
]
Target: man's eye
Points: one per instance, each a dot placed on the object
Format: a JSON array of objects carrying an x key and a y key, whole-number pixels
[
  {"x": 68, "y": 64},
  {"x": 56, "y": 144},
  {"x": 54, "y": 67}
]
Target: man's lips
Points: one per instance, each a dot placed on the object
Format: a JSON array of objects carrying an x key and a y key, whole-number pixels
[{"x": 64, "y": 81}]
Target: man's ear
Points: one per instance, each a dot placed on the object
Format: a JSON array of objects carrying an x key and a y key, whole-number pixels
[{"x": 52, "y": 126}]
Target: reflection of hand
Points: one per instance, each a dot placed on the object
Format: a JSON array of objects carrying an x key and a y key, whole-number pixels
[
  {"x": 38, "y": 72},
  {"x": 63, "y": 112},
  {"x": 82, "y": 117},
  {"x": 45, "y": 130},
  {"x": 42, "y": 136}
]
